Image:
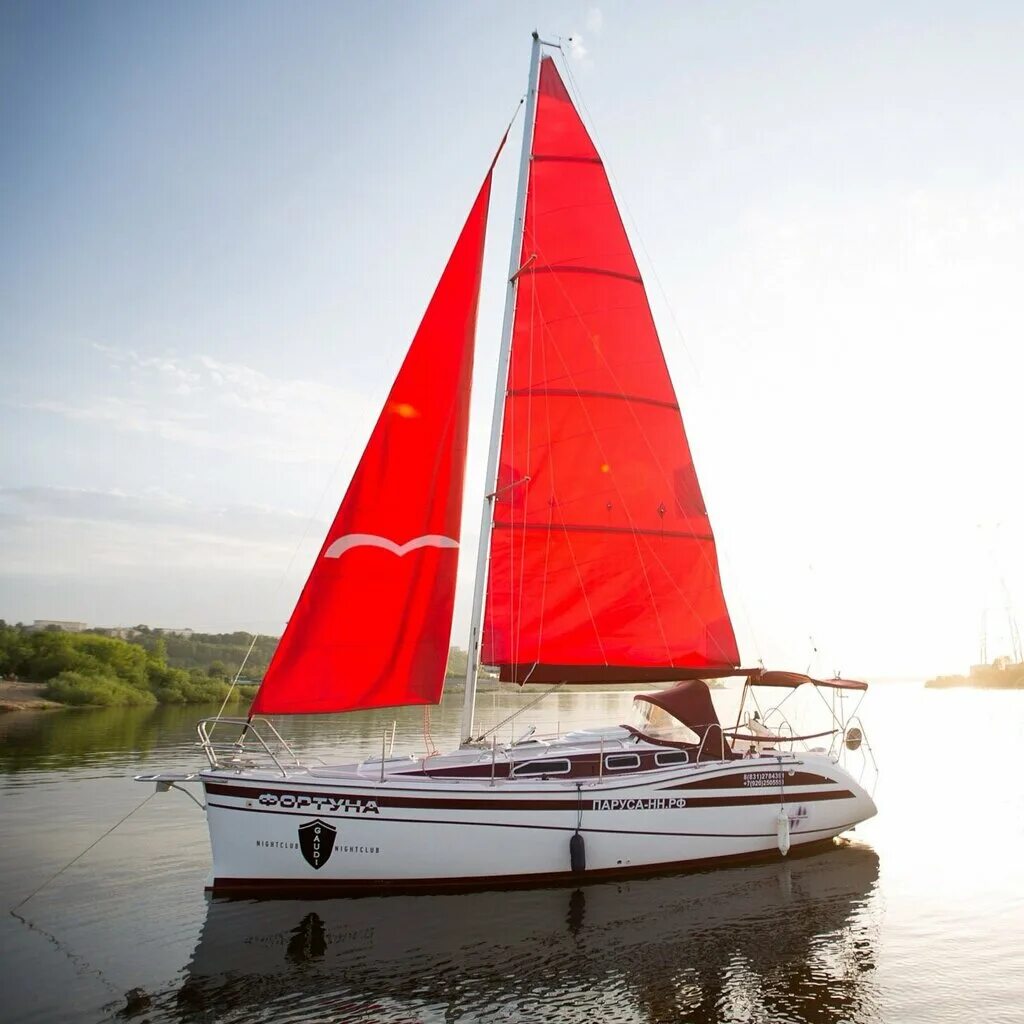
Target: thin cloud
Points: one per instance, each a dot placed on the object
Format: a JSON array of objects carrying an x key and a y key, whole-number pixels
[
  {"x": 576, "y": 47},
  {"x": 178, "y": 559},
  {"x": 577, "y": 50},
  {"x": 207, "y": 403}
]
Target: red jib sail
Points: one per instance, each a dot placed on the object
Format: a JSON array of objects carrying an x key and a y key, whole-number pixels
[
  {"x": 603, "y": 563},
  {"x": 373, "y": 623}
]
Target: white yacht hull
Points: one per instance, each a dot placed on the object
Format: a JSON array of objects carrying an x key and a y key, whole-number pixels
[{"x": 323, "y": 829}]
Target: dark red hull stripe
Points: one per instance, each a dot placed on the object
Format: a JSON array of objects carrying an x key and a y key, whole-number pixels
[
  {"x": 315, "y": 803},
  {"x": 734, "y": 780},
  {"x": 514, "y": 824},
  {"x": 394, "y": 886},
  {"x": 629, "y": 780},
  {"x": 586, "y": 766}
]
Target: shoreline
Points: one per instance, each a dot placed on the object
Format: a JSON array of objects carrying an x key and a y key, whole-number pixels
[
  {"x": 966, "y": 683},
  {"x": 16, "y": 695}
]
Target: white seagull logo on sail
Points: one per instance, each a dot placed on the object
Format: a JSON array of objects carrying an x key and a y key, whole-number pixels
[{"x": 371, "y": 540}]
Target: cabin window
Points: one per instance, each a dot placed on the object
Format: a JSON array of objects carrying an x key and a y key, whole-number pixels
[
  {"x": 559, "y": 767},
  {"x": 620, "y": 762},
  {"x": 671, "y": 757}
]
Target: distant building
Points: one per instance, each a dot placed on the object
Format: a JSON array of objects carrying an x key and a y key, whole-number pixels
[{"x": 119, "y": 632}]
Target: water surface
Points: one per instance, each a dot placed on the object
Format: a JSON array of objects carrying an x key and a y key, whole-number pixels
[{"x": 919, "y": 918}]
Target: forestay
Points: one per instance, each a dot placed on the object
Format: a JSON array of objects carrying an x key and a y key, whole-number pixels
[{"x": 373, "y": 623}]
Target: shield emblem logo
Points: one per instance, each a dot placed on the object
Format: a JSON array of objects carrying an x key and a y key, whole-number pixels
[{"x": 316, "y": 841}]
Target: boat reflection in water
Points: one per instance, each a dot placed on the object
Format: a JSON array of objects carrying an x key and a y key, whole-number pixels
[{"x": 790, "y": 940}]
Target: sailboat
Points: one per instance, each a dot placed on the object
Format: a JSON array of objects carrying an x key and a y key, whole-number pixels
[{"x": 596, "y": 564}]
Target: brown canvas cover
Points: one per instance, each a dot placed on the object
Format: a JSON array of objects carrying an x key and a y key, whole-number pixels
[
  {"x": 794, "y": 679},
  {"x": 689, "y": 702}
]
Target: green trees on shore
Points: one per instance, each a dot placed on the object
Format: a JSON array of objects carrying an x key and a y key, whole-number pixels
[
  {"x": 217, "y": 654},
  {"x": 88, "y": 669},
  {"x": 151, "y": 668}
]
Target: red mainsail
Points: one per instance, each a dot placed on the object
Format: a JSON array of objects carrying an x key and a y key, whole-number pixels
[
  {"x": 373, "y": 623},
  {"x": 602, "y": 563}
]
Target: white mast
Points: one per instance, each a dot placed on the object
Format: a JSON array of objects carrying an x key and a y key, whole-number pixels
[{"x": 491, "y": 480}]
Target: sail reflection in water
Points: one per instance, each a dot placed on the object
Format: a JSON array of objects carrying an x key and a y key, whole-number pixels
[{"x": 780, "y": 941}]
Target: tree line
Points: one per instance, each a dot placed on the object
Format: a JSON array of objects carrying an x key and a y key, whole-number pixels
[
  {"x": 152, "y": 667},
  {"x": 91, "y": 669}
]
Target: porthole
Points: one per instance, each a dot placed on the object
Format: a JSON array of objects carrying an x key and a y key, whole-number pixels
[
  {"x": 667, "y": 757},
  {"x": 621, "y": 762},
  {"x": 558, "y": 767}
]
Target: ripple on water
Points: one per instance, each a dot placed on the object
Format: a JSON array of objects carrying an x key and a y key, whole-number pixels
[{"x": 922, "y": 919}]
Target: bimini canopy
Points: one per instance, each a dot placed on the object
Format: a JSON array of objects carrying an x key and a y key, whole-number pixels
[
  {"x": 688, "y": 702},
  {"x": 792, "y": 680}
]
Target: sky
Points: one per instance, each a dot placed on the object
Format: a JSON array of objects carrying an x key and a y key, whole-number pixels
[{"x": 220, "y": 225}]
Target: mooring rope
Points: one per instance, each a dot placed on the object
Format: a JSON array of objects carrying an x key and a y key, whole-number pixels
[
  {"x": 80, "y": 962},
  {"x": 74, "y": 860}
]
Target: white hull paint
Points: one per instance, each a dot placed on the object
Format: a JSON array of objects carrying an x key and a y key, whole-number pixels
[{"x": 413, "y": 831}]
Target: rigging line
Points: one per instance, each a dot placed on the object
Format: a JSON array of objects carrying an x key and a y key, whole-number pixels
[
  {"x": 621, "y": 201},
  {"x": 609, "y": 170},
  {"x": 511, "y": 415},
  {"x": 556, "y": 507},
  {"x": 74, "y": 860},
  {"x": 643, "y": 433},
  {"x": 519, "y": 711},
  {"x": 511, "y": 122},
  {"x": 234, "y": 682},
  {"x": 614, "y": 482},
  {"x": 346, "y": 443},
  {"x": 494, "y": 502},
  {"x": 518, "y": 632},
  {"x": 344, "y": 450},
  {"x": 636, "y": 227},
  {"x": 343, "y": 454},
  {"x": 653, "y": 453},
  {"x": 618, "y": 492},
  {"x": 535, "y": 313},
  {"x": 547, "y": 546}
]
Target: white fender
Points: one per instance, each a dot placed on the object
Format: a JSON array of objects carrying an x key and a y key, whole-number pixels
[{"x": 782, "y": 830}]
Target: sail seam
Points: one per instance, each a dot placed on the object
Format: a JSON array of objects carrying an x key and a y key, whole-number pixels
[
  {"x": 570, "y": 393},
  {"x": 585, "y": 528},
  {"x": 653, "y": 559},
  {"x": 632, "y": 530},
  {"x": 566, "y": 268},
  {"x": 554, "y": 158},
  {"x": 711, "y": 559}
]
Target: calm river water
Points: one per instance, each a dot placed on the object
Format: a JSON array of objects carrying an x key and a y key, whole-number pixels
[{"x": 919, "y": 918}]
